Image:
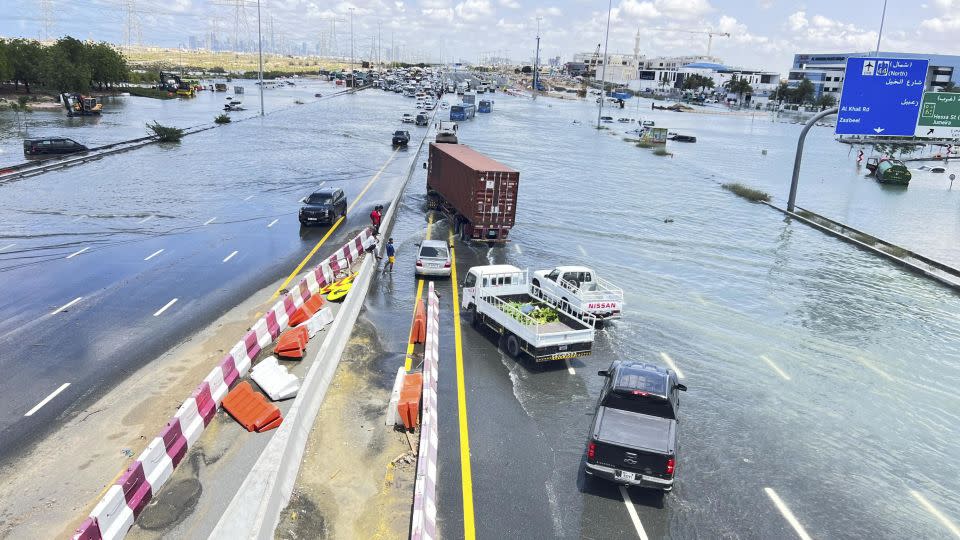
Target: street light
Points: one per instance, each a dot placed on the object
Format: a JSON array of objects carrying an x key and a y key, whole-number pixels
[
  {"x": 260, "y": 47},
  {"x": 603, "y": 72},
  {"x": 351, "y": 44}
]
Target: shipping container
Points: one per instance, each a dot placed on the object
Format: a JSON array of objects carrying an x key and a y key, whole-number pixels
[{"x": 478, "y": 192}]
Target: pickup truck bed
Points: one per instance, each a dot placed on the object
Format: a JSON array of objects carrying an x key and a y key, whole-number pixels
[{"x": 633, "y": 430}]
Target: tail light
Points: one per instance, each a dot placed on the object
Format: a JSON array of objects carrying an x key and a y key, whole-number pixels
[
  {"x": 446, "y": 264},
  {"x": 592, "y": 452},
  {"x": 671, "y": 464},
  {"x": 419, "y": 262}
]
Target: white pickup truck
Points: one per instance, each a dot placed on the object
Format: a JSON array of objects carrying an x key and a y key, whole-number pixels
[
  {"x": 580, "y": 289},
  {"x": 529, "y": 320}
]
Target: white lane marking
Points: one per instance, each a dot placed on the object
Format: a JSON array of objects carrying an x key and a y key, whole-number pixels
[
  {"x": 669, "y": 361},
  {"x": 570, "y": 369},
  {"x": 164, "y": 308},
  {"x": 774, "y": 367},
  {"x": 146, "y": 219},
  {"x": 230, "y": 256},
  {"x": 154, "y": 254},
  {"x": 74, "y": 254},
  {"x": 582, "y": 251},
  {"x": 78, "y": 218},
  {"x": 517, "y": 247},
  {"x": 47, "y": 399},
  {"x": 787, "y": 514},
  {"x": 67, "y": 305},
  {"x": 272, "y": 223},
  {"x": 870, "y": 365},
  {"x": 6, "y": 247},
  {"x": 633, "y": 513},
  {"x": 209, "y": 221},
  {"x": 248, "y": 197},
  {"x": 952, "y": 527}
]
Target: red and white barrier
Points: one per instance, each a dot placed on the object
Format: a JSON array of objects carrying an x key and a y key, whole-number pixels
[
  {"x": 423, "y": 524},
  {"x": 116, "y": 512}
]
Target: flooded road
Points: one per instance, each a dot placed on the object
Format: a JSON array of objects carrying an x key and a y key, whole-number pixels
[
  {"x": 817, "y": 372},
  {"x": 819, "y": 375}
]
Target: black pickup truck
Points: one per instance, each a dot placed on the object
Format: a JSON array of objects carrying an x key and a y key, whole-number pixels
[{"x": 633, "y": 440}]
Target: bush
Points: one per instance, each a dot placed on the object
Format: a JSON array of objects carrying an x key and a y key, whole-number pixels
[
  {"x": 222, "y": 119},
  {"x": 165, "y": 133},
  {"x": 748, "y": 193}
]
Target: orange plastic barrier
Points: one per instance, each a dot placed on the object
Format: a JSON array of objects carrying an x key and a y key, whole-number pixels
[
  {"x": 418, "y": 333},
  {"x": 292, "y": 343},
  {"x": 408, "y": 408},
  {"x": 251, "y": 409},
  {"x": 307, "y": 310}
]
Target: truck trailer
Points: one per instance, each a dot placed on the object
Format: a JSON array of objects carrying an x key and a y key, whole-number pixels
[{"x": 479, "y": 193}]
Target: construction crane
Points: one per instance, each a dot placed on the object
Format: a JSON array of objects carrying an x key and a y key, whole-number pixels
[{"x": 709, "y": 33}]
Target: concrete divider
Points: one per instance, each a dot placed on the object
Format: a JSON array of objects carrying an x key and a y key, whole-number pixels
[{"x": 423, "y": 521}]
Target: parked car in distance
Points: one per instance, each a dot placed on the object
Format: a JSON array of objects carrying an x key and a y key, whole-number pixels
[
  {"x": 51, "y": 145},
  {"x": 633, "y": 440},
  {"x": 401, "y": 137},
  {"x": 323, "y": 206},
  {"x": 433, "y": 259}
]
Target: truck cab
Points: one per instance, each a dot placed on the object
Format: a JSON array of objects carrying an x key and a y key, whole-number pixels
[
  {"x": 495, "y": 275},
  {"x": 582, "y": 289},
  {"x": 633, "y": 440}
]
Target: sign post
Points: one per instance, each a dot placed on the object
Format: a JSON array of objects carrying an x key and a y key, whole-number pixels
[
  {"x": 939, "y": 116},
  {"x": 881, "y": 96}
]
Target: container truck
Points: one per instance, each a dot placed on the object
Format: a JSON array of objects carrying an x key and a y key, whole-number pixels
[{"x": 479, "y": 193}]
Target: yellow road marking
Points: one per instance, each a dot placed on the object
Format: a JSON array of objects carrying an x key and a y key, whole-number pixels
[
  {"x": 333, "y": 228},
  {"x": 469, "y": 528},
  {"x": 409, "y": 361}
]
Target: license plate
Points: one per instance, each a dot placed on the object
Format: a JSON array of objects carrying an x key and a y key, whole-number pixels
[
  {"x": 311, "y": 219},
  {"x": 434, "y": 266},
  {"x": 624, "y": 475}
]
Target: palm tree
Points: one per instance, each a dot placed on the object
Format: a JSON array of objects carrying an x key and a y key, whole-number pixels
[{"x": 739, "y": 87}]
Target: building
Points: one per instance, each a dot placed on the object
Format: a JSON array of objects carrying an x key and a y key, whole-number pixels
[
  {"x": 621, "y": 68},
  {"x": 826, "y": 70},
  {"x": 669, "y": 72}
]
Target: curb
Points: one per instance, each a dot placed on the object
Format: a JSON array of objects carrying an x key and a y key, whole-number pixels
[
  {"x": 122, "y": 503},
  {"x": 254, "y": 511}
]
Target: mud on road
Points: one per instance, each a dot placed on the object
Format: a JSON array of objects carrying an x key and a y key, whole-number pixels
[{"x": 357, "y": 475}]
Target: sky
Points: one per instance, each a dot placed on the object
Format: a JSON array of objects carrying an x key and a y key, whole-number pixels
[{"x": 764, "y": 34}]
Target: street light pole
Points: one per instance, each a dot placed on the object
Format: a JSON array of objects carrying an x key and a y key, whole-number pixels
[
  {"x": 260, "y": 46},
  {"x": 883, "y": 15},
  {"x": 536, "y": 63},
  {"x": 603, "y": 72},
  {"x": 351, "y": 43}
]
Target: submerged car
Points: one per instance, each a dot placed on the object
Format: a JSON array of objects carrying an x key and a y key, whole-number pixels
[
  {"x": 324, "y": 206},
  {"x": 51, "y": 145},
  {"x": 401, "y": 138},
  {"x": 433, "y": 259}
]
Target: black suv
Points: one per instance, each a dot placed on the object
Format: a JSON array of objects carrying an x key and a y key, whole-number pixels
[
  {"x": 323, "y": 207},
  {"x": 401, "y": 138},
  {"x": 51, "y": 145}
]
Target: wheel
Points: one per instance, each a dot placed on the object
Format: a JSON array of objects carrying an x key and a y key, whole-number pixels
[{"x": 513, "y": 346}]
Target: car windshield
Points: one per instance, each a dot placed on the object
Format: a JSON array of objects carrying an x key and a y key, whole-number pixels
[
  {"x": 433, "y": 252},
  {"x": 318, "y": 198},
  {"x": 400, "y": 133}
]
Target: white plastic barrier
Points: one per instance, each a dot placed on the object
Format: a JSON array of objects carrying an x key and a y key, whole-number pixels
[
  {"x": 264, "y": 338},
  {"x": 157, "y": 465},
  {"x": 274, "y": 379},
  {"x": 319, "y": 320},
  {"x": 241, "y": 358},
  {"x": 391, "y": 419},
  {"x": 113, "y": 515}
]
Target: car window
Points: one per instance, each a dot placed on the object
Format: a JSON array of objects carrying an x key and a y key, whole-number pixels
[
  {"x": 433, "y": 252},
  {"x": 471, "y": 280},
  {"x": 553, "y": 275},
  {"x": 319, "y": 199},
  {"x": 649, "y": 405},
  {"x": 587, "y": 277}
]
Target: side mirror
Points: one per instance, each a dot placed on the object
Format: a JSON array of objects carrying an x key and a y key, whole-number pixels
[
  {"x": 603, "y": 373},
  {"x": 418, "y": 245},
  {"x": 681, "y": 387},
  {"x": 303, "y": 200}
]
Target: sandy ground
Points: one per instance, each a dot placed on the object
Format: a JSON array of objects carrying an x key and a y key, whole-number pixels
[
  {"x": 48, "y": 492},
  {"x": 357, "y": 476}
]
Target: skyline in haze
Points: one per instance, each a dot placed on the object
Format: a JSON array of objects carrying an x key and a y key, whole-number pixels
[{"x": 765, "y": 34}]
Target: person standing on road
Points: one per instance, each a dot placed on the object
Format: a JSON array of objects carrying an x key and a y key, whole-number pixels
[
  {"x": 391, "y": 254},
  {"x": 375, "y": 218}
]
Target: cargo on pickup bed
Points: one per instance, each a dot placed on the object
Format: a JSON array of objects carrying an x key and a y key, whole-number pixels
[
  {"x": 528, "y": 319},
  {"x": 633, "y": 440},
  {"x": 580, "y": 288}
]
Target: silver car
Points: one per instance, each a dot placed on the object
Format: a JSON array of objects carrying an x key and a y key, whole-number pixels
[{"x": 433, "y": 258}]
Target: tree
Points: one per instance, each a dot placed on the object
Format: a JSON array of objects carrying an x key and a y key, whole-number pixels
[
  {"x": 783, "y": 92},
  {"x": 804, "y": 92},
  {"x": 697, "y": 82},
  {"x": 66, "y": 66},
  {"x": 107, "y": 65},
  {"x": 739, "y": 87},
  {"x": 6, "y": 65},
  {"x": 26, "y": 56},
  {"x": 826, "y": 101}
]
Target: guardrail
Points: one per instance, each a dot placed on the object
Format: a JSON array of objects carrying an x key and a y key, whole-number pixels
[{"x": 423, "y": 521}]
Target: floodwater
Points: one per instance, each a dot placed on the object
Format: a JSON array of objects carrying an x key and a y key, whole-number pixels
[{"x": 815, "y": 369}]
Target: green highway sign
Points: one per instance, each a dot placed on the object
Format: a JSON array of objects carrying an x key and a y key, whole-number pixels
[{"x": 939, "y": 115}]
